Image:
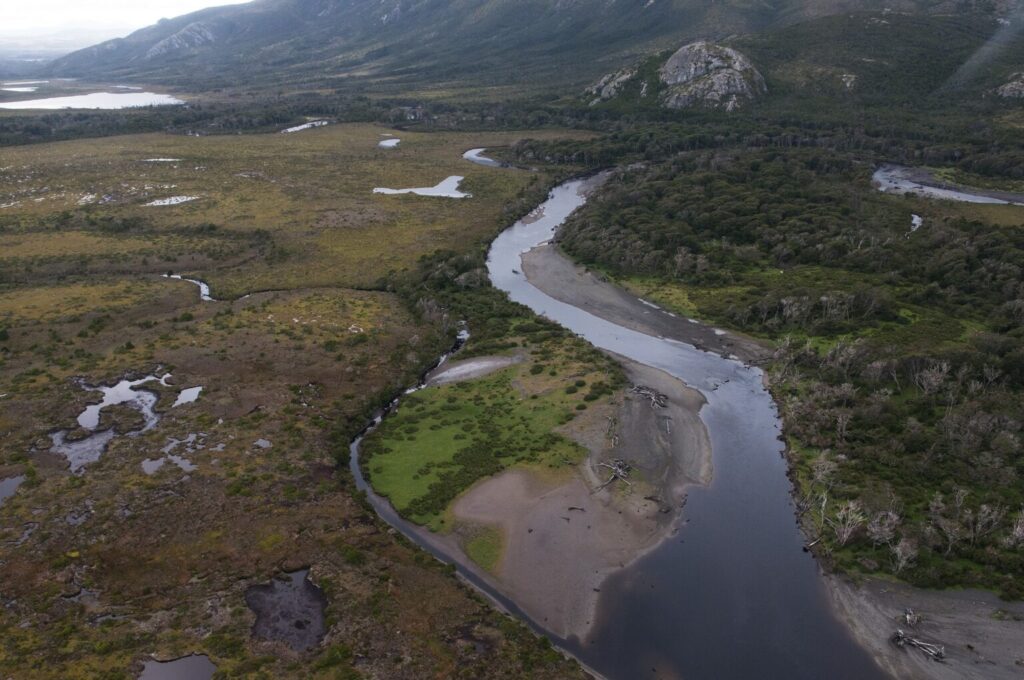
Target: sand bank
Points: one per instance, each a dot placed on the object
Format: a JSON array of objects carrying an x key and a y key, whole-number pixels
[
  {"x": 983, "y": 636},
  {"x": 562, "y": 536},
  {"x": 553, "y": 273}
]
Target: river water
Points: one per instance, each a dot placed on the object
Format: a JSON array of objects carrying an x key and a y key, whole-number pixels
[{"x": 731, "y": 594}]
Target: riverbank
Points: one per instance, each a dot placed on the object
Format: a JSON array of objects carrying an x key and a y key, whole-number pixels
[
  {"x": 981, "y": 641},
  {"x": 922, "y": 181},
  {"x": 572, "y": 528},
  {"x": 557, "y": 276},
  {"x": 982, "y": 634}
]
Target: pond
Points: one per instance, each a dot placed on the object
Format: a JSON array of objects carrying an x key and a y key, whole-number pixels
[{"x": 96, "y": 100}]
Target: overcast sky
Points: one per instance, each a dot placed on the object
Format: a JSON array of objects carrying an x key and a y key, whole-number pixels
[{"x": 89, "y": 20}]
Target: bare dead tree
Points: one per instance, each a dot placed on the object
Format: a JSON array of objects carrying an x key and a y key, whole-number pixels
[
  {"x": 903, "y": 554},
  {"x": 842, "y": 423},
  {"x": 823, "y": 469},
  {"x": 949, "y": 528},
  {"x": 930, "y": 379},
  {"x": 983, "y": 522},
  {"x": 848, "y": 519},
  {"x": 883, "y": 526},
  {"x": 991, "y": 374},
  {"x": 1015, "y": 539}
]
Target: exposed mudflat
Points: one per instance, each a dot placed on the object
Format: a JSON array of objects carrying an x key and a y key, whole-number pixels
[
  {"x": 549, "y": 270},
  {"x": 575, "y": 533},
  {"x": 289, "y": 610},
  {"x": 983, "y": 635}
]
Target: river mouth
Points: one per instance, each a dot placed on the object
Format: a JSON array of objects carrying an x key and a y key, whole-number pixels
[{"x": 732, "y": 595}]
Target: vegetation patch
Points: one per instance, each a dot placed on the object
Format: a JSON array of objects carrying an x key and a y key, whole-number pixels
[
  {"x": 444, "y": 439},
  {"x": 485, "y": 547}
]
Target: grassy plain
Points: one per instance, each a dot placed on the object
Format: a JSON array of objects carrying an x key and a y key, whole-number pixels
[
  {"x": 446, "y": 438},
  {"x": 310, "y": 192},
  {"x": 159, "y": 563}
]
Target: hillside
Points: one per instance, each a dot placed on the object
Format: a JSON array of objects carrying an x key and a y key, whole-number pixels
[{"x": 403, "y": 43}]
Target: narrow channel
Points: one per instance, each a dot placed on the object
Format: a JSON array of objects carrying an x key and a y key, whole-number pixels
[{"x": 731, "y": 594}]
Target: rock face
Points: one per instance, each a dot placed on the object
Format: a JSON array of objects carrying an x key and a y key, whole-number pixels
[
  {"x": 1014, "y": 89},
  {"x": 191, "y": 37},
  {"x": 610, "y": 86},
  {"x": 699, "y": 75},
  {"x": 703, "y": 74}
]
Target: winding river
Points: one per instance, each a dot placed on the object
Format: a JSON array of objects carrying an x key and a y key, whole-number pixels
[{"x": 731, "y": 594}]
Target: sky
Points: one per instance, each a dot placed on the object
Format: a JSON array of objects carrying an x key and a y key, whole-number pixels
[{"x": 78, "y": 23}]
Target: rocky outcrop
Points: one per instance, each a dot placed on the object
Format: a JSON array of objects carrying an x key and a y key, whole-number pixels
[
  {"x": 1014, "y": 89},
  {"x": 610, "y": 86},
  {"x": 699, "y": 75},
  {"x": 192, "y": 36},
  {"x": 707, "y": 75}
]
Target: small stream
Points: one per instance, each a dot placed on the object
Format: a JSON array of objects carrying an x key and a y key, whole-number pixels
[{"x": 732, "y": 594}]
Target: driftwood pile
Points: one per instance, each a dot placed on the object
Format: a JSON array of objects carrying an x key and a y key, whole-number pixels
[
  {"x": 658, "y": 400},
  {"x": 935, "y": 652},
  {"x": 620, "y": 470}
]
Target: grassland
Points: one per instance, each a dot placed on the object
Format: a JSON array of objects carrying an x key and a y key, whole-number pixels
[
  {"x": 159, "y": 563},
  {"x": 311, "y": 192},
  {"x": 446, "y": 438}
]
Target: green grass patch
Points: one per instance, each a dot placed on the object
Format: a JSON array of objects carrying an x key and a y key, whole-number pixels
[
  {"x": 485, "y": 548},
  {"x": 444, "y": 439}
]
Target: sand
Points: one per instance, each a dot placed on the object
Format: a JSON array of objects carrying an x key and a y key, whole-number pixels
[
  {"x": 562, "y": 527},
  {"x": 983, "y": 636},
  {"x": 550, "y": 271}
]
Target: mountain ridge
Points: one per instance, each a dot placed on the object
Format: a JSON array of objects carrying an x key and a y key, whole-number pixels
[{"x": 341, "y": 42}]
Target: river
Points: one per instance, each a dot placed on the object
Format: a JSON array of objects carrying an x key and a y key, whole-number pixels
[{"x": 731, "y": 594}]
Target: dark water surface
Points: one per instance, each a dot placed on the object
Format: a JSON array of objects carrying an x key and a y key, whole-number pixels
[
  {"x": 289, "y": 610},
  {"x": 195, "y": 667}
]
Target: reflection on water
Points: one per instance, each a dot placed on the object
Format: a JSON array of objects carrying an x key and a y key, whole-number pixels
[
  {"x": 894, "y": 179},
  {"x": 9, "y": 486},
  {"x": 96, "y": 100},
  {"x": 449, "y": 188},
  {"x": 195, "y": 667},
  {"x": 477, "y": 156}
]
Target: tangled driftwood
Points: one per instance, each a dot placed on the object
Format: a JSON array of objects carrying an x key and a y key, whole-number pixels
[
  {"x": 936, "y": 652},
  {"x": 620, "y": 470},
  {"x": 658, "y": 400}
]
